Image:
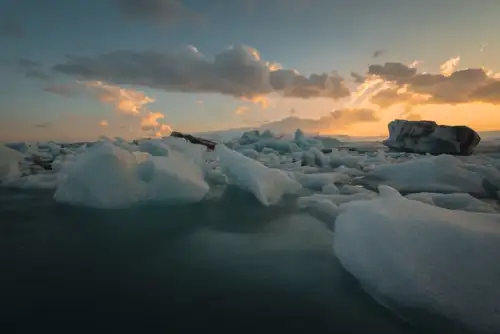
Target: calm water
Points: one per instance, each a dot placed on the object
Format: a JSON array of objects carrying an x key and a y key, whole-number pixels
[{"x": 224, "y": 266}]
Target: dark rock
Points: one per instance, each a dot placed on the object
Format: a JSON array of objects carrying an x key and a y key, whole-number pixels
[{"x": 429, "y": 137}]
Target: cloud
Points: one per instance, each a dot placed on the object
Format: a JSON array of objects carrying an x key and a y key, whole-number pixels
[
  {"x": 36, "y": 74},
  {"x": 126, "y": 101},
  {"x": 358, "y": 78},
  {"x": 237, "y": 71},
  {"x": 241, "y": 110},
  {"x": 149, "y": 122},
  {"x": 488, "y": 93},
  {"x": 292, "y": 111},
  {"x": 397, "y": 72},
  {"x": 336, "y": 120},
  {"x": 70, "y": 89},
  {"x": 483, "y": 47},
  {"x": 27, "y": 63},
  {"x": 130, "y": 102},
  {"x": 260, "y": 100},
  {"x": 452, "y": 86},
  {"x": 160, "y": 11},
  {"x": 28, "y": 68},
  {"x": 390, "y": 96},
  {"x": 199, "y": 102},
  {"x": 378, "y": 53},
  {"x": 450, "y": 66}
]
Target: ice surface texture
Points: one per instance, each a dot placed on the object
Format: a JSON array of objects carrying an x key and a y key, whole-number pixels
[{"x": 423, "y": 256}]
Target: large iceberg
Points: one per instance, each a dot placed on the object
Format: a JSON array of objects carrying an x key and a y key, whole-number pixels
[
  {"x": 413, "y": 255},
  {"x": 429, "y": 137}
]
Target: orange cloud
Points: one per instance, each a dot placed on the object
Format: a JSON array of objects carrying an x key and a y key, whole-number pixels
[
  {"x": 241, "y": 110},
  {"x": 261, "y": 100},
  {"x": 149, "y": 122},
  {"x": 125, "y": 100}
]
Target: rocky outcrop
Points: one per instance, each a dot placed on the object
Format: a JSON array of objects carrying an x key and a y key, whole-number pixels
[{"x": 429, "y": 137}]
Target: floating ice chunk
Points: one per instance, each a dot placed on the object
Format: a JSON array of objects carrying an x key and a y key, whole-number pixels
[
  {"x": 102, "y": 177},
  {"x": 108, "y": 176},
  {"x": 124, "y": 144},
  {"x": 348, "y": 189},
  {"x": 251, "y": 153},
  {"x": 174, "y": 179},
  {"x": 53, "y": 148},
  {"x": 330, "y": 189},
  {"x": 20, "y": 147},
  {"x": 349, "y": 171},
  {"x": 267, "y": 184},
  {"x": 421, "y": 256},
  {"x": 216, "y": 176},
  {"x": 314, "y": 157},
  {"x": 320, "y": 207},
  {"x": 190, "y": 151},
  {"x": 9, "y": 162},
  {"x": 456, "y": 201},
  {"x": 309, "y": 169},
  {"x": 155, "y": 147},
  {"x": 340, "y": 158},
  {"x": 489, "y": 173},
  {"x": 338, "y": 199},
  {"x": 279, "y": 145},
  {"x": 319, "y": 180},
  {"x": 443, "y": 174}
]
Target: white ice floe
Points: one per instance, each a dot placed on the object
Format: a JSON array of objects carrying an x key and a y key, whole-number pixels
[
  {"x": 319, "y": 180},
  {"x": 172, "y": 179},
  {"x": 455, "y": 201},
  {"x": 422, "y": 256},
  {"x": 267, "y": 184},
  {"x": 104, "y": 176},
  {"x": 339, "y": 199},
  {"x": 108, "y": 176},
  {"x": 9, "y": 162},
  {"x": 442, "y": 174},
  {"x": 156, "y": 148}
]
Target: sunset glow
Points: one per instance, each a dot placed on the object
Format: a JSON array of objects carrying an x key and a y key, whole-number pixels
[{"x": 296, "y": 65}]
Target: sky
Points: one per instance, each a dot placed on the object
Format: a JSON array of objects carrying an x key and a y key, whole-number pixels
[{"x": 74, "y": 70}]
